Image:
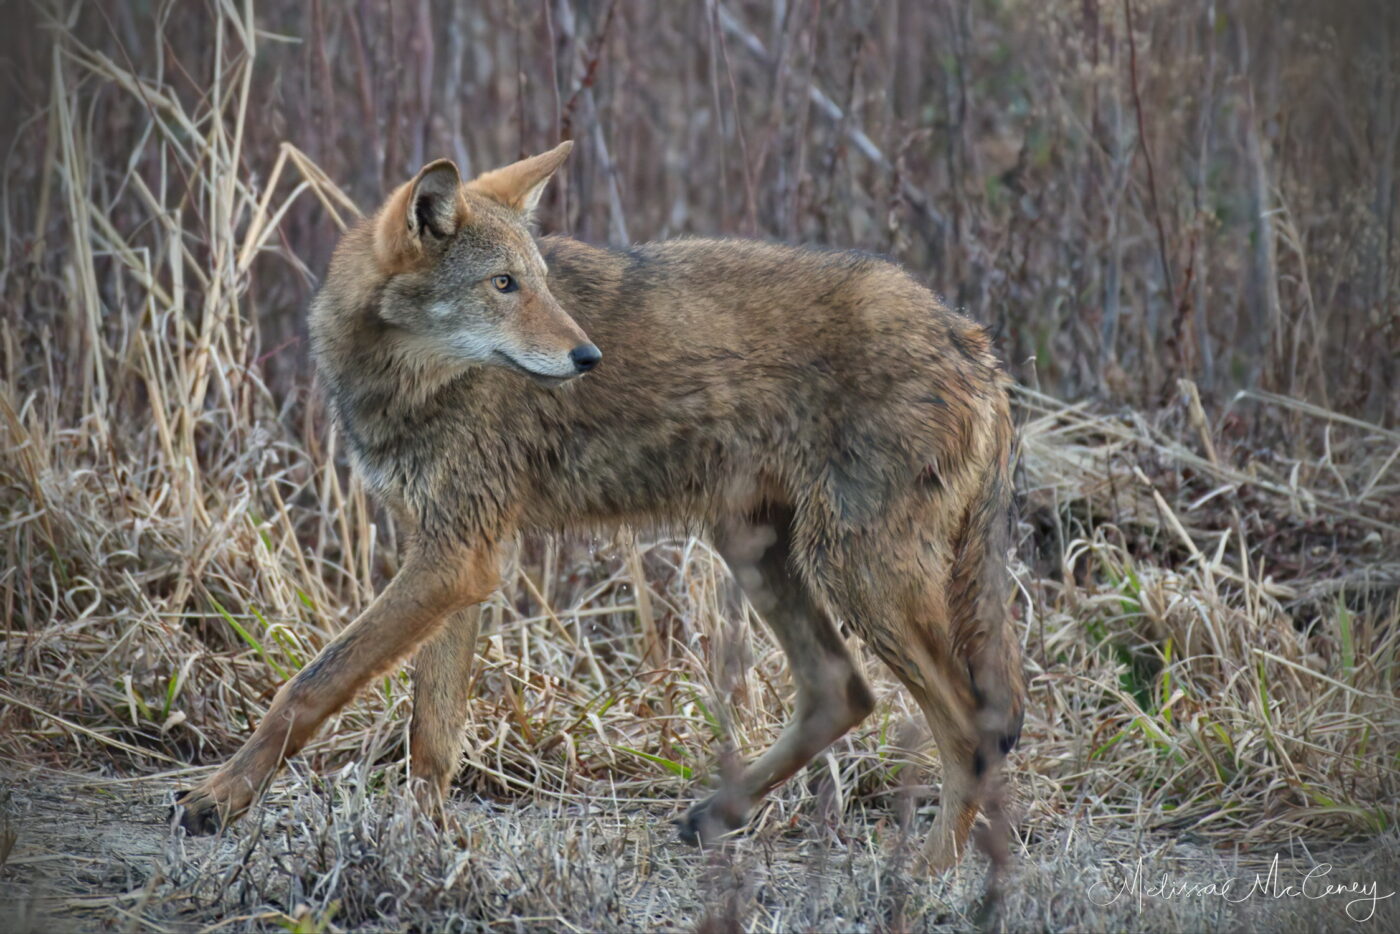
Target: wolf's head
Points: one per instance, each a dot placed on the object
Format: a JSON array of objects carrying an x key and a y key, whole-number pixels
[{"x": 463, "y": 282}]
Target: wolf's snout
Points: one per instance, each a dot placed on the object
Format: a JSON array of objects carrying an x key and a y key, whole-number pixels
[{"x": 585, "y": 357}]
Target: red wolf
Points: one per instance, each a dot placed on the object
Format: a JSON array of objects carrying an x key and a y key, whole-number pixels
[{"x": 842, "y": 435}]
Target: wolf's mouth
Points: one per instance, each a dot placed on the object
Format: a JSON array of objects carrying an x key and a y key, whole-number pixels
[{"x": 542, "y": 379}]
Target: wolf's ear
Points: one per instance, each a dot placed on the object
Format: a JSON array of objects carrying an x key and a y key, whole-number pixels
[
  {"x": 520, "y": 185},
  {"x": 418, "y": 215},
  {"x": 434, "y": 202}
]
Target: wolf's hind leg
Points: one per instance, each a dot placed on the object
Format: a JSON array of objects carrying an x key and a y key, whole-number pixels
[
  {"x": 441, "y": 694},
  {"x": 948, "y": 639},
  {"x": 911, "y": 637},
  {"x": 832, "y": 695}
]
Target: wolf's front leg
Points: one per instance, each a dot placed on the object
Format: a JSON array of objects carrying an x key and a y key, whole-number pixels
[
  {"x": 431, "y": 585},
  {"x": 442, "y": 672}
]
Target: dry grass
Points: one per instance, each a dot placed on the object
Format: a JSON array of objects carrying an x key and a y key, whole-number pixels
[{"x": 1208, "y": 590}]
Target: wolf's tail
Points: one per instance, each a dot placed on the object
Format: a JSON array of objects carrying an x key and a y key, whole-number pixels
[{"x": 985, "y": 639}]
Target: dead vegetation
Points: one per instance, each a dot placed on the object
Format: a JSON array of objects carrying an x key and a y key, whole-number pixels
[{"x": 1209, "y": 555}]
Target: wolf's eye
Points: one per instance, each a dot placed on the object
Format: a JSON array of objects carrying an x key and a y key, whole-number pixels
[{"x": 504, "y": 283}]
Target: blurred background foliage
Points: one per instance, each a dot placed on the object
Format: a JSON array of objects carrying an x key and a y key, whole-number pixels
[{"x": 1127, "y": 193}]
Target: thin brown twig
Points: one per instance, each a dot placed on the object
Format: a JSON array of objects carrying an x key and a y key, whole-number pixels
[{"x": 1168, "y": 282}]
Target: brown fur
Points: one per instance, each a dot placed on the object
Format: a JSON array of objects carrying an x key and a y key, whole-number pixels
[{"x": 843, "y": 435}]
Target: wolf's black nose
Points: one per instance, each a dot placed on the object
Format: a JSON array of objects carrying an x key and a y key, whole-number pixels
[{"x": 585, "y": 357}]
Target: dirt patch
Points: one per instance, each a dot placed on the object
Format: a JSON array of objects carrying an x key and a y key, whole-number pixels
[
  {"x": 92, "y": 854},
  {"x": 83, "y": 850}
]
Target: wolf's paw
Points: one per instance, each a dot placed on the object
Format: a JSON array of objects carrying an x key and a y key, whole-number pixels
[
  {"x": 430, "y": 799},
  {"x": 197, "y": 812},
  {"x": 211, "y": 806},
  {"x": 709, "y": 820},
  {"x": 940, "y": 854}
]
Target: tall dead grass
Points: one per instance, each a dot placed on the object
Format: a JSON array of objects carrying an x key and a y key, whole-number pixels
[{"x": 1207, "y": 569}]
